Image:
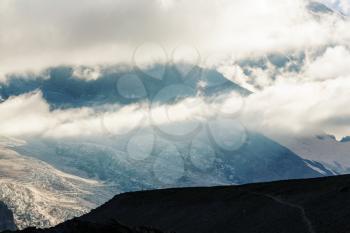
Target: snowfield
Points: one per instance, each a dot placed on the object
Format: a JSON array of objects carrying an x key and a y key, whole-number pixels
[
  {"x": 40, "y": 195},
  {"x": 332, "y": 154}
]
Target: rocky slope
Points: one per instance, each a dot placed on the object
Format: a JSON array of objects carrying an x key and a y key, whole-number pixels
[
  {"x": 40, "y": 195},
  {"x": 322, "y": 149},
  {"x": 7, "y": 221},
  {"x": 174, "y": 164}
]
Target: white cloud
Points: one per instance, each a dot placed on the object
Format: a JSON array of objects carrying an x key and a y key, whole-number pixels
[
  {"x": 288, "y": 108},
  {"x": 345, "y": 6},
  {"x": 333, "y": 63},
  {"x": 36, "y": 34},
  {"x": 30, "y": 115},
  {"x": 87, "y": 73},
  {"x": 341, "y": 5},
  {"x": 291, "y": 108}
]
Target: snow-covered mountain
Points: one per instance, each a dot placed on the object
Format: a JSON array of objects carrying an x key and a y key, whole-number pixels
[
  {"x": 319, "y": 8},
  {"x": 57, "y": 181},
  {"x": 195, "y": 162},
  {"x": 61, "y": 89},
  {"x": 48, "y": 176},
  {"x": 46, "y": 181},
  {"x": 322, "y": 149},
  {"x": 40, "y": 195}
]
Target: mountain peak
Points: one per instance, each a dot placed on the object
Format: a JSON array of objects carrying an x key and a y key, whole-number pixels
[
  {"x": 317, "y": 7},
  {"x": 345, "y": 139}
]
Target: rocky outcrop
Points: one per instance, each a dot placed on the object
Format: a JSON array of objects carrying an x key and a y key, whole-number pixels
[{"x": 7, "y": 221}]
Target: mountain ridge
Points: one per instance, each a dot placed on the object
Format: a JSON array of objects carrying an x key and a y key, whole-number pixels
[{"x": 303, "y": 206}]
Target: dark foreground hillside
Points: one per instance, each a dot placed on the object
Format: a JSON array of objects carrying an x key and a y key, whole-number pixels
[
  {"x": 298, "y": 206},
  {"x": 77, "y": 226}
]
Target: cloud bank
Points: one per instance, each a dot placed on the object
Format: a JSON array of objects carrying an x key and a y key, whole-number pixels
[
  {"x": 284, "y": 109},
  {"x": 37, "y": 34}
]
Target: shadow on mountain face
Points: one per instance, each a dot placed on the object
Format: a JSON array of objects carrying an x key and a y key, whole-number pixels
[
  {"x": 296, "y": 206},
  {"x": 258, "y": 160},
  {"x": 7, "y": 221},
  {"x": 317, "y": 7},
  {"x": 61, "y": 89}
]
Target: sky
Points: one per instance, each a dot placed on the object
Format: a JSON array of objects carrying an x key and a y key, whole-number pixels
[{"x": 36, "y": 34}]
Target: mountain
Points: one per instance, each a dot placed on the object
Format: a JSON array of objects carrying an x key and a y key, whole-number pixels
[
  {"x": 62, "y": 89},
  {"x": 191, "y": 163},
  {"x": 315, "y": 205},
  {"x": 220, "y": 152},
  {"x": 7, "y": 221},
  {"x": 45, "y": 181},
  {"x": 302, "y": 206},
  {"x": 76, "y": 226},
  {"x": 345, "y": 139},
  {"x": 256, "y": 158},
  {"x": 40, "y": 195},
  {"x": 317, "y": 7},
  {"x": 322, "y": 149}
]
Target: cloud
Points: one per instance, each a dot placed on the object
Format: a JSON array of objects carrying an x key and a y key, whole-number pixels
[
  {"x": 335, "y": 62},
  {"x": 87, "y": 73},
  {"x": 30, "y": 115},
  {"x": 36, "y": 34},
  {"x": 293, "y": 108},
  {"x": 345, "y": 6},
  {"x": 341, "y": 5},
  {"x": 288, "y": 108}
]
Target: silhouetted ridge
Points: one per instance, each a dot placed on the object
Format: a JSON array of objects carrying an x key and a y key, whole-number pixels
[
  {"x": 77, "y": 226},
  {"x": 296, "y": 206}
]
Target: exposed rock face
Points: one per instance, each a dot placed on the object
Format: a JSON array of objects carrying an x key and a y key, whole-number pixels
[
  {"x": 40, "y": 195},
  {"x": 7, "y": 221}
]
